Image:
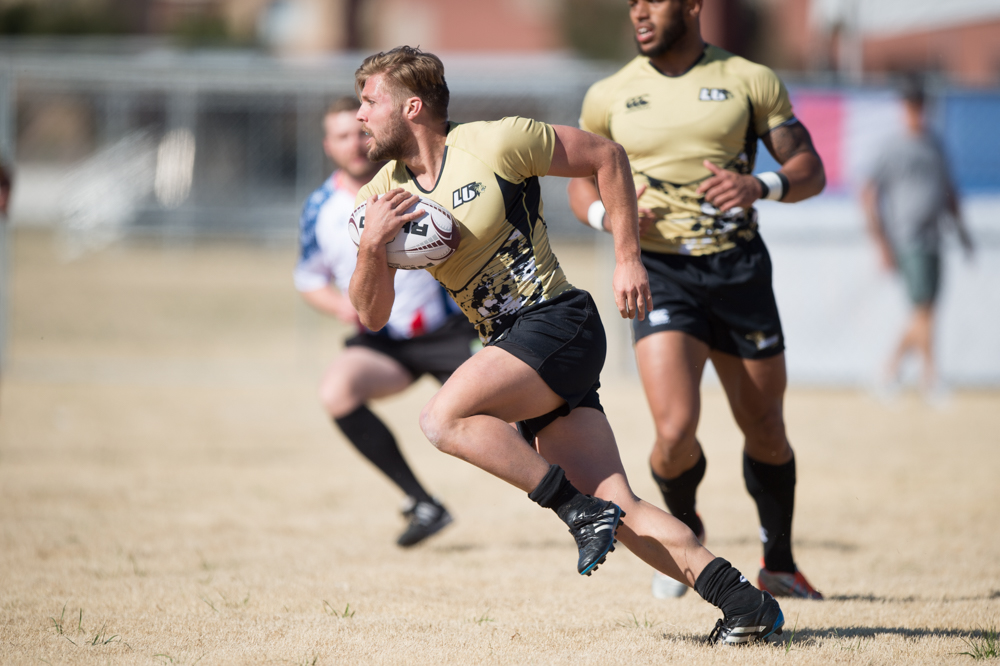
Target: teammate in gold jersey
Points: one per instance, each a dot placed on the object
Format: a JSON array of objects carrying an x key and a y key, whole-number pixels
[
  {"x": 689, "y": 115},
  {"x": 544, "y": 342}
]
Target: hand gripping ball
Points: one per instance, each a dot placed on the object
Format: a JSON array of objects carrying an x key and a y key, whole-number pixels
[{"x": 422, "y": 243}]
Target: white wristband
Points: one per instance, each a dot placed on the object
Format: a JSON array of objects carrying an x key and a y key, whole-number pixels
[
  {"x": 595, "y": 215},
  {"x": 774, "y": 184}
]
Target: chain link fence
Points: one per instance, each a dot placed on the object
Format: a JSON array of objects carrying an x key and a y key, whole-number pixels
[
  {"x": 184, "y": 143},
  {"x": 117, "y": 142}
]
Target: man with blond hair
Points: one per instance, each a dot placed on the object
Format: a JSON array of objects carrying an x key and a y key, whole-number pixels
[
  {"x": 425, "y": 334},
  {"x": 544, "y": 341}
]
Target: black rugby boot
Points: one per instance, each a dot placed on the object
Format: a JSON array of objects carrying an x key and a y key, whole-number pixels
[
  {"x": 426, "y": 519},
  {"x": 751, "y": 627},
  {"x": 593, "y": 522}
]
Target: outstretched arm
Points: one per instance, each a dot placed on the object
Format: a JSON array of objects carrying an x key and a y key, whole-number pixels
[
  {"x": 371, "y": 291},
  {"x": 873, "y": 216},
  {"x": 801, "y": 172},
  {"x": 956, "y": 218},
  {"x": 582, "y": 196},
  {"x": 580, "y": 154}
]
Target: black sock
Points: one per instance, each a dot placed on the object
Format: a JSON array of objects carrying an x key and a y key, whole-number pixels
[
  {"x": 773, "y": 489},
  {"x": 372, "y": 438},
  {"x": 721, "y": 585},
  {"x": 679, "y": 494},
  {"x": 554, "y": 491}
]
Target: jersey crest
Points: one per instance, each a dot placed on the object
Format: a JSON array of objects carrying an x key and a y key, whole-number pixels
[
  {"x": 714, "y": 95},
  {"x": 466, "y": 193}
]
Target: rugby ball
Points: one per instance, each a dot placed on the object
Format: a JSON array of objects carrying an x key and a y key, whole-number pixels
[{"x": 422, "y": 243}]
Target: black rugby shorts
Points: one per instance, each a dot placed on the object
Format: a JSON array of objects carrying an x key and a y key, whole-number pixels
[
  {"x": 723, "y": 299},
  {"x": 563, "y": 340},
  {"x": 438, "y": 353}
]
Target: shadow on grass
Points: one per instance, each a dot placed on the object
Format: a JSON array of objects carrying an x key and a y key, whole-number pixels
[
  {"x": 804, "y": 636},
  {"x": 544, "y": 544},
  {"x": 876, "y": 599},
  {"x": 803, "y": 544}
]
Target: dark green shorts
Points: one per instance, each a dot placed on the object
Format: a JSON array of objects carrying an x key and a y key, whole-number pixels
[{"x": 921, "y": 271}]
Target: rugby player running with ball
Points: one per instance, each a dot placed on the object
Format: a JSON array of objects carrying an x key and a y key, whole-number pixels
[{"x": 544, "y": 341}]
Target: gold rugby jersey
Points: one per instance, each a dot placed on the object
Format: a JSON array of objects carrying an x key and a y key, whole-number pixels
[
  {"x": 670, "y": 125},
  {"x": 489, "y": 183}
]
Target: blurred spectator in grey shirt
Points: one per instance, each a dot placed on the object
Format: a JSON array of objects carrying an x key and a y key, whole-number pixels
[{"x": 908, "y": 200}]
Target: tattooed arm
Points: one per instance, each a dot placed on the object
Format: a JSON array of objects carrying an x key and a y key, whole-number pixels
[{"x": 792, "y": 147}]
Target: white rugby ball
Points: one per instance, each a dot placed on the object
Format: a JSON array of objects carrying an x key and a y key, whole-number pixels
[{"x": 422, "y": 243}]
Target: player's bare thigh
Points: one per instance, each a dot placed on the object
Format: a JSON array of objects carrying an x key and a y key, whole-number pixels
[
  {"x": 494, "y": 383},
  {"x": 358, "y": 375},
  {"x": 671, "y": 364},
  {"x": 756, "y": 390},
  {"x": 469, "y": 417}
]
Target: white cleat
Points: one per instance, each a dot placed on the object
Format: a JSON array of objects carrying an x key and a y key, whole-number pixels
[{"x": 665, "y": 587}]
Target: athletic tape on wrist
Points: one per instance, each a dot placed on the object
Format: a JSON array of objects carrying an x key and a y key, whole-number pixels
[
  {"x": 595, "y": 215},
  {"x": 774, "y": 185}
]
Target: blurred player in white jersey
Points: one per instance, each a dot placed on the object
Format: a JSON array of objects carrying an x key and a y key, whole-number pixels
[{"x": 425, "y": 334}]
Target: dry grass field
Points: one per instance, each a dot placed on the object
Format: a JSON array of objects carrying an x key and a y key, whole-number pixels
[{"x": 170, "y": 493}]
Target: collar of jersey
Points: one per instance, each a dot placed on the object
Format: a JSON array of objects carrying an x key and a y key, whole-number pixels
[
  {"x": 444, "y": 158},
  {"x": 701, "y": 58}
]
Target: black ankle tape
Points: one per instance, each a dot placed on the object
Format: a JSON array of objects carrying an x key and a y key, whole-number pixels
[
  {"x": 554, "y": 490},
  {"x": 704, "y": 584},
  {"x": 721, "y": 585}
]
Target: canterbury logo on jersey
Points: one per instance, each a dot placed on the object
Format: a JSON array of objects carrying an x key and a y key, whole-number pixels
[
  {"x": 714, "y": 95},
  {"x": 466, "y": 193},
  {"x": 633, "y": 103}
]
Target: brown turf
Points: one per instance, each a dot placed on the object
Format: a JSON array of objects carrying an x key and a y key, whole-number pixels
[{"x": 171, "y": 493}]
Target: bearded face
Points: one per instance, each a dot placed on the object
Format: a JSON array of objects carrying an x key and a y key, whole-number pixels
[
  {"x": 666, "y": 22},
  {"x": 391, "y": 141}
]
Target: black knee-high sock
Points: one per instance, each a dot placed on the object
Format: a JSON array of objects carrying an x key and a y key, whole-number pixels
[
  {"x": 773, "y": 489},
  {"x": 679, "y": 494},
  {"x": 372, "y": 438},
  {"x": 723, "y": 586},
  {"x": 555, "y": 491}
]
